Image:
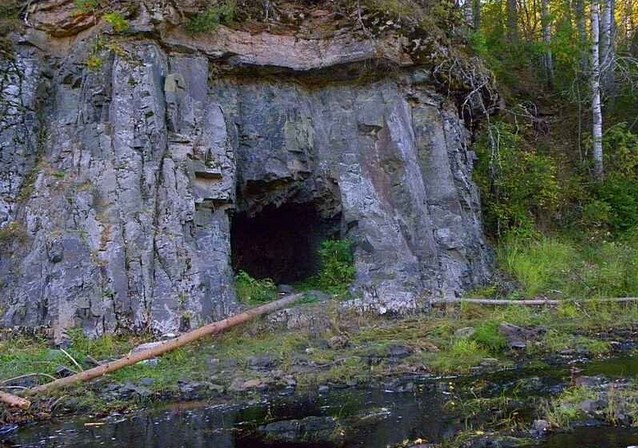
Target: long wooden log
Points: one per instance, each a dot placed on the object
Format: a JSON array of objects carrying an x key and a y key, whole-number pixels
[
  {"x": 165, "y": 347},
  {"x": 535, "y": 302},
  {"x": 14, "y": 401}
]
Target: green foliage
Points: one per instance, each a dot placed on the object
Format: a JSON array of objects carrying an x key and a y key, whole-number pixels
[
  {"x": 613, "y": 205},
  {"x": 516, "y": 184},
  {"x": 337, "y": 266},
  {"x": 117, "y": 22},
  {"x": 86, "y": 6},
  {"x": 565, "y": 268},
  {"x": 487, "y": 335},
  {"x": 209, "y": 20},
  {"x": 252, "y": 291}
]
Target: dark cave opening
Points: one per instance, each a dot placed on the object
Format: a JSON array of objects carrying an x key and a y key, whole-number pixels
[{"x": 281, "y": 243}]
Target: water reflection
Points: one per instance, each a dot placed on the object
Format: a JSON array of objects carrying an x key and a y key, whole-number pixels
[{"x": 369, "y": 418}]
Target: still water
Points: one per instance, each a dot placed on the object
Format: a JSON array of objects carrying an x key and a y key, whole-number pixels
[{"x": 369, "y": 418}]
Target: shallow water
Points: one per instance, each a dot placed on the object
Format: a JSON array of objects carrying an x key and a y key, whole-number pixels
[
  {"x": 396, "y": 417},
  {"x": 373, "y": 418},
  {"x": 600, "y": 437}
]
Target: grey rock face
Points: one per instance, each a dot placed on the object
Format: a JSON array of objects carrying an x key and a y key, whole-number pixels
[{"x": 126, "y": 180}]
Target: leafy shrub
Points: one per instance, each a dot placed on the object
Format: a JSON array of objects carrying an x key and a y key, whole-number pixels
[
  {"x": 252, "y": 291},
  {"x": 516, "y": 184},
  {"x": 337, "y": 265},
  {"x": 117, "y": 22},
  {"x": 209, "y": 20},
  {"x": 613, "y": 205},
  {"x": 620, "y": 147},
  {"x": 596, "y": 214},
  {"x": 621, "y": 196}
]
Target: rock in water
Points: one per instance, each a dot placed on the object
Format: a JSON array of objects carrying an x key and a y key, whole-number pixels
[{"x": 121, "y": 181}]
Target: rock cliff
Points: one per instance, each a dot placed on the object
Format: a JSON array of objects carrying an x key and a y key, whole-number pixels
[{"x": 129, "y": 161}]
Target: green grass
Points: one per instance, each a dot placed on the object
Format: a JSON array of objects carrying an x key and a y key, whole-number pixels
[
  {"x": 556, "y": 341},
  {"x": 239, "y": 344},
  {"x": 539, "y": 266},
  {"x": 570, "y": 269},
  {"x": 562, "y": 411},
  {"x": 460, "y": 357},
  {"x": 487, "y": 335},
  {"x": 24, "y": 356},
  {"x": 12, "y": 233}
]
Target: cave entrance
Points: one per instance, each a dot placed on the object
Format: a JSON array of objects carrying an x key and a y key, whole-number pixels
[{"x": 281, "y": 243}]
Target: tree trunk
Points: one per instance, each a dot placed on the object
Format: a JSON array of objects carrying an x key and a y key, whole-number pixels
[
  {"x": 597, "y": 116},
  {"x": 582, "y": 34},
  {"x": 14, "y": 401},
  {"x": 606, "y": 45},
  {"x": 476, "y": 14},
  {"x": 165, "y": 347},
  {"x": 468, "y": 10},
  {"x": 512, "y": 22},
  {"x": 547, "y": 40}
]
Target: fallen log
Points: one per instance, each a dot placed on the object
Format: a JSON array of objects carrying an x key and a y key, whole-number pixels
[
  {"x": 14, "y": 401},
  {"x": 534, "y": 302},
  {"x": 165, "y": 347}
]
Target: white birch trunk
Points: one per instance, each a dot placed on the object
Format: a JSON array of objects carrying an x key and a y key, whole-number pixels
[
  {"x": 597, "y": 116},
  {"x": 606, "y": 44},
  {"x": 467, "y": 12}
]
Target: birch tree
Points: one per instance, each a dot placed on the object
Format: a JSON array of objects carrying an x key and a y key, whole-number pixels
[
  {"x": 607, "y": 56},
  {"x": 468, "y": 12},
  {"x": 547, "y": 40},
  {"x": 597, "y": 116}
]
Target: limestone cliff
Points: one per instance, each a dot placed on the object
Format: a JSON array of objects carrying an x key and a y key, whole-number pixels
[{"x": 123, "y": 180}]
